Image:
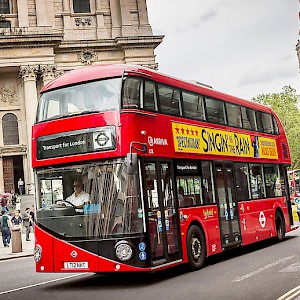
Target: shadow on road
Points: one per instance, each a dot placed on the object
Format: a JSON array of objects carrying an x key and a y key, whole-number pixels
[{"x": 133, "y": 280}]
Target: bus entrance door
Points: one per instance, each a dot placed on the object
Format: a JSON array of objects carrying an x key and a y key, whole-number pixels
[
  {"x": 162, "y": 214},
  {"x": 228, "y": 206}
]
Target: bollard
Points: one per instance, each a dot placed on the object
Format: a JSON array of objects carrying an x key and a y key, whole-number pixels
[{"x": 16, "y": 239}]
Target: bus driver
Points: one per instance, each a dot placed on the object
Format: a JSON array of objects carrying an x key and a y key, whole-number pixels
[{"x": 79, "y": 197}]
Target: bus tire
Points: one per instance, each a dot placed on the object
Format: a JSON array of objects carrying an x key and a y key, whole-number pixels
[
  {"x": 280, "y": 226},
  {"x": 196, "y": 248}
]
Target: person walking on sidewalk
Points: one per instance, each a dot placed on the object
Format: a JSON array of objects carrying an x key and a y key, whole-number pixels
[
  {"x": 26, "y": 222},
  {"x": 3, "y": 202},
  {"x": 5, "y": 228},
  {"x": 21, "y": 186},
  {"x": 18, "y": 203},
  {"x": 16, "y": 220}
]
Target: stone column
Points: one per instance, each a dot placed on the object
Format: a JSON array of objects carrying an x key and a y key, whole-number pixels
[
  {"x": 66, "y": 14},
  {"x": 48, "y": 73},
  {"x": 143, "y": 17},
  {"x": 115, "y": 18},
  {"x": 127, "y": 29},
  {"x": 28, "y": 73},
  {"x": 27, "y": 171},
  {"x": 23, "y": 13},
  {"x": 1, "y": 175},
  {"x": 102, "y": 32},
  {"x": 45, "y": 13}
]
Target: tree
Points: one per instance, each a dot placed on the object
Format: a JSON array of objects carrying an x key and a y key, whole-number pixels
[{"x": 286, "y": 105}]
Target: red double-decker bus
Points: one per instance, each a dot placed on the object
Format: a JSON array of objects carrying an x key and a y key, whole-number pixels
[{"x": 139, "y": 171}]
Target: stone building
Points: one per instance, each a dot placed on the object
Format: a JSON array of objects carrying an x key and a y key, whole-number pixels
[{"x": 41, "y": 39}]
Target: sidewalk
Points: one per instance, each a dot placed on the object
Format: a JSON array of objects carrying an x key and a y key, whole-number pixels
[{"x": 27, "y": 247}]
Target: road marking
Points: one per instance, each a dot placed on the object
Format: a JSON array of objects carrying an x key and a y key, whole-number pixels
[
  {"x": 292, "y": 268},
  {"x": 237, "y": 279},
  {"x": 291, "y": 294},
  {"x": 37, "y": 284}
]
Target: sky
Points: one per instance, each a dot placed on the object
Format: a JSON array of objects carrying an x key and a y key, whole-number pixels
[{"x": 239, "y": 47}]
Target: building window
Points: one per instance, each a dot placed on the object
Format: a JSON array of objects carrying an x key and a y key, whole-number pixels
[
  {"x": 4, "y": 7},
  {"x": 81, "y": 6},
  {"x": 5, "y": 24},
  {"x": 10, "y": 129}
]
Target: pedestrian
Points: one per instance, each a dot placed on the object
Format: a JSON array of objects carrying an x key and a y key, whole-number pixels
[
  {"x": 4, "y": 201},
  {"x": 13, "y": 197},
  {"x": 32, "y": 215},
  {"x": 18, "y": 203},
  {"x": 26, "y": 222},
  {"x": 5, "y": 228},
  {"x": 21, "y": 186},
  {"x": 16, "y": 220}
]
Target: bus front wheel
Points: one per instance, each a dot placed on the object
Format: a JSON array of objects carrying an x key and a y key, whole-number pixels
[
  {"x": 196, "y": 249},
  {"x": 280, "y": 227}
]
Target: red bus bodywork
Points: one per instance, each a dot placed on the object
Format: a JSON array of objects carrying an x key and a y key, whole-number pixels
[{"x": 138, "y": 125}]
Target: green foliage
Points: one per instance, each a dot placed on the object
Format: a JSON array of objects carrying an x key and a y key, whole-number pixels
[{"x": 286, "y": 105}]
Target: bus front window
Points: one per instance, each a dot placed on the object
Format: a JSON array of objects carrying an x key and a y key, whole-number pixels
[
  {"x": 83, "y": 98},
  {"x": 96, "y": 200}
]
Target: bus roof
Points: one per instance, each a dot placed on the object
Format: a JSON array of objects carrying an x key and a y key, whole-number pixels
[{"x": 97, "y": 72}]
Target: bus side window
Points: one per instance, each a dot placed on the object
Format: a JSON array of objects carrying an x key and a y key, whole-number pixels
[
  {"x": 207, "y": 183},
  {"x": 169, "y": 100},
  {"x": 248, "y": 118},
  {"x": 215, "y": 111},
  {"x": 193, "y": 106},
  {"x": 188, "y": 191},
  {"x": 149, "y": 99},
  {"x": 131, "y": 93},
  {"x": 257, "y": 182}
]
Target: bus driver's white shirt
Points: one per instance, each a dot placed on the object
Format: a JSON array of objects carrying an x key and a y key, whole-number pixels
[{"x": 82, "y": 198}]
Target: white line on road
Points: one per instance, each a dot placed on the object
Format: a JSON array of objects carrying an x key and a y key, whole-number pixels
[
  {"x": 41, "y": 283},
  {"x": 237, "y": 279},
  {"x": 291, "y": 294}
]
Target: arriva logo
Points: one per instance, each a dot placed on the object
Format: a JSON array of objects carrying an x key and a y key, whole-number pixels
[{"x": 157, "y": 141}]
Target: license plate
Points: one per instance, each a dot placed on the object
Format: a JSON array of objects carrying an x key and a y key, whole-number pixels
[{"x": 76, "y": 265}]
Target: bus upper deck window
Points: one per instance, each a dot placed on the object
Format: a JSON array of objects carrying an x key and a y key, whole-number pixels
[
  {"x": 193, "y": 106},
  {"x": 149, "y": 99},
  {"x": 233, "y": 115},
  {"x": 248, "y": 118},
  {"x": 169, "y": 99},
  {"x": 131, "y": 93},
  {"x": 215, "y": 111}
]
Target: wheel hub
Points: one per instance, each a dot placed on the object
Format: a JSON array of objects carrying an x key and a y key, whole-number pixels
[{"x": 196, "y": 248}]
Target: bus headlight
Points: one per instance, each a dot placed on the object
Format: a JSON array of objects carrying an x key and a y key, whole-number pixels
[
  {"x": 37, "y": 253},
  {"x": 123, "y": 251}
]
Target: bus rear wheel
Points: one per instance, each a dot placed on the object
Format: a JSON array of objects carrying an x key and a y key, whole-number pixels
[
  {"x": 280, "y": 227},
  {"x": 196, "y": 249}
]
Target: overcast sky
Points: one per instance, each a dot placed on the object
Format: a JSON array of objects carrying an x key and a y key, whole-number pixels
[{"x": 240, "y": 47}]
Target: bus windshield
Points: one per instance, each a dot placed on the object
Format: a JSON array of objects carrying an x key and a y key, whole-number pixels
[
  {"x": 95, "y": 200},
  {"x": 96, "y": 96}
]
